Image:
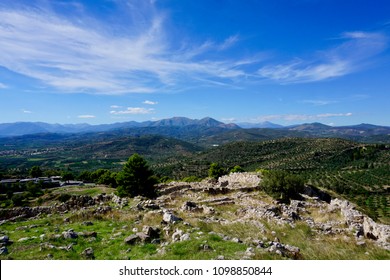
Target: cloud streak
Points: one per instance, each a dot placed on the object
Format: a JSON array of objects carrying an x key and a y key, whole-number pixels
[
  {"x": 86, "y": 116},
  {"x": 133, "y": 111},
  {"x": 350, "y": 56},
  {"x": 148, "y": 102},
  {"x": 80, "y": 54},
  {"x": 70, "y": 55},
  {"x": 301, "y": 117}
]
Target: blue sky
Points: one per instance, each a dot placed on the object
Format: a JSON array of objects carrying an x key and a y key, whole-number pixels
[{"x": 284, "y": 61}]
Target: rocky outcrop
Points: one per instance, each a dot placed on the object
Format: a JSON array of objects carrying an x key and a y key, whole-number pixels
[
  {"x": 240, "y": 180},
  {"x": 362, "y": 224}
]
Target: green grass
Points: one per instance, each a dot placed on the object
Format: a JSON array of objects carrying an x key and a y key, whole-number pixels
[
  {"x": 112, "y": 228},
  {"x": 194, "y": 249}
]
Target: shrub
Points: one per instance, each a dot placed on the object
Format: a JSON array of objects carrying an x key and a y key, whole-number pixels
[
  {"x": 216, "y": 171},
  {"x": 237, "y": 169},
  {"x": 64, "y": 197},
  {"x": 282, "y": 185}
]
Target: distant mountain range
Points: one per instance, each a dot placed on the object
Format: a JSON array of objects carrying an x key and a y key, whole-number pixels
[
  {"x": 25, "y": 128},
  {"x": 200, "y": 131}
]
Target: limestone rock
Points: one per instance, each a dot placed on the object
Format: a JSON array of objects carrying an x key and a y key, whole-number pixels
[
  {"x": 132, "y": 239},
  {"x": 185, "y": 237},
  {"x": 3, "y": 250},
  {"x": 375, "y": 231},
  {"x": 176, "y": 236},
  {"x": 143, "y": 237},
  {"x": 69, "y": 234},
  {"x": 4, "y": 240},
  {"x": 190, "y": 206},
  {"x": 170, "y": 218},
  {"x": 284, "y": 250},
  {"x": 153, "y": 232},
  {"x": 88, "y": 253},
  {"x": 88, "y": 234}
]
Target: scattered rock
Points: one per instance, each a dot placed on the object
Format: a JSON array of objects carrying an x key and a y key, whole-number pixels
[
  {"x": 88, "y": 253},
  {"x": 170, "y": 218},
  {"x": 177, "y": 235},
  {"x": 88, "y": 234},
  {"x": 236, "y": 240},
  {"x": 132, "y": 239},
  {"x": 361, "y": 243},
  {"x": 205, "y": 247},
  {"x": 69, "y": 234},
  {"x": 156, "y": 241},
  {"x": 22, "y": 228},
  {"x": 144, "y": 237},
  {"x": 4, "y": 240},
  {"x": 23, "y": 239},
  {"x": 249, "y": 253},
  {"x": 185, "y": 237},
  {"x": 189, "y": 206},
  {"x": 150, "y": 204},
  {"x": 121, "y": 202},
  {"x": 284, "y": 250},
  {"x": 3, "y": 250},
  {"x": 152, "y": 232},
  {"x": 208, "y": 210}
]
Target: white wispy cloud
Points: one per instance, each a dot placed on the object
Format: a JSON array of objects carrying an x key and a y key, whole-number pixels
[
  {"x": 115, "y": 106},
  {"x": 301, "y": 117},
  {"x": 148, "y": 102},
  {"x": 26, "y": 111},
  {"x": 229, "y": 42},
  {"x": 229, "y": 120},
  {"x": 71, "y": 54},
  {"x": 354, "y": 53},
  {"x": 133, "y": 111},
  {"x": 86, "y": 116},
  {"x": 3, "y": 86},
  {"x": 319, "y": 102}
]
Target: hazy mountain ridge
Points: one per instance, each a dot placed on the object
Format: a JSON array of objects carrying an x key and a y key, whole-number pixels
[
  {"x": 24, "y": 128},
  {"x": 204, "y": 131}
]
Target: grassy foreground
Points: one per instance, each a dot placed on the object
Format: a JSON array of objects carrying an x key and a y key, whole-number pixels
[{"x": 40, "y": 237}]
